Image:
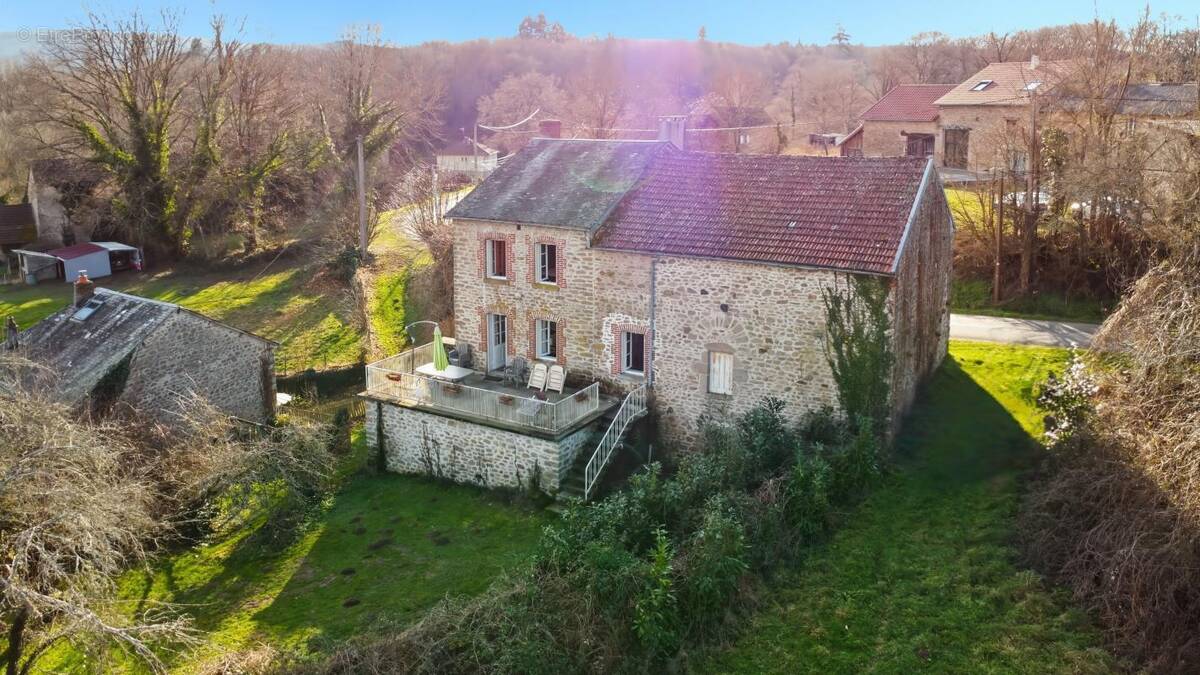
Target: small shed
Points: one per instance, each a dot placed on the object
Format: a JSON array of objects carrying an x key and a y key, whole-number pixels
[{"x": 97, "y": 258}]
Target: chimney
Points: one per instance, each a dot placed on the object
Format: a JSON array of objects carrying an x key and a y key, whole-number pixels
[
  {"x": 672, "y": 128},
  {"x": 1033, "y": 62},
  {"x": 550, "y": 129},
  {"x": 84, "y": 289}
]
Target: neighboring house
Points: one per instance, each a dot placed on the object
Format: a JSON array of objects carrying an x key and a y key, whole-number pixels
[
  {"x": 636, "y": 265},
  {"x": 983, "y": 121},
  {"x": 111, "y": 348},
  {"x": 17, "y": 226},
  {"x": 96, "y": 258},
  {"x": 54, "y": 187},
  {"x": 904, "y": 123},
  {"x": 715, "y": 125},
  {"x": 467, "y": 157}
]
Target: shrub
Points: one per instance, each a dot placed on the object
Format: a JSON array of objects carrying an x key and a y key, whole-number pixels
[
  {"x": 808, "y": 496},
  {"x": 1067, "y": 402},
  {"x": 656, "y": 613},
  {"x": 715, "y": 561}
]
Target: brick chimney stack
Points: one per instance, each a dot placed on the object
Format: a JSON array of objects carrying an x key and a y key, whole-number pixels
[
  {"x": 550, "y": 129},
  {"x": 84, "y": 289}
]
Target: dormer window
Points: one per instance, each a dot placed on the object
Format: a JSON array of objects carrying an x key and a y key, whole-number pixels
[{"x": 981, "y": 85}]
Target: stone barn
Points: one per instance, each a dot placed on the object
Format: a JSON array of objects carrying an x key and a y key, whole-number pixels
[
  {"x": 688, "y": 279},
  {"x": 111, "y": 349}
]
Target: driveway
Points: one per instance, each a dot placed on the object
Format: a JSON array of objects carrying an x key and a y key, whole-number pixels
[{"x": 1021, "y": 331}]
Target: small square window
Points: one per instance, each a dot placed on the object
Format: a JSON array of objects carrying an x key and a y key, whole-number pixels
[
  {"x": 720, "y": 373},
  {"x": 547, "y": 339},
  {"x": 547, "y": 263},
  {"x": 981, "y": 85},
  {"x": 633, "y": 352},
  {"x": 497, "y": 258}
]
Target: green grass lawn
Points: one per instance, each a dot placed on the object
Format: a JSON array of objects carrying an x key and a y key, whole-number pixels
[
  {"x": 973, "y": 296},
  {"x": 309, "y": 317},
  {"x": 923, "y": 576},
  {"x": 387, "y": 549}
]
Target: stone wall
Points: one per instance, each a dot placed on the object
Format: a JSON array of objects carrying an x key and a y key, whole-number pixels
[
  {"x": 886, "y": 139},
  {"x": 920, "y": 299},
  {"x": 770, "y": 318},
  {"x": 465, "y": 452},
  {"x": 235, "y": 371},
  {"x": 993, "y": 129}
]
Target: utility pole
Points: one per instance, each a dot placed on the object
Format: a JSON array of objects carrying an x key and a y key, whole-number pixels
[
  {"x": 1032, "y": 196},
  {"x": 996, "y": 275},
  {"x": 362, "y": 202}
]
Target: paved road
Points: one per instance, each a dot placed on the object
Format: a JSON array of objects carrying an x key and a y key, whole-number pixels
[{"x": 1021, "y": 331}]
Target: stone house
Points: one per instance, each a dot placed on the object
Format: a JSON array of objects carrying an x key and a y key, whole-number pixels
[
  {"x": 644, "y": 269},
  {"x": 114, "y": 349},
  {"x": 904, "y": 123},
  {"x": 468, "y": 158},
  {"x": 984, "y": 121},
  {"x": 56, "y": 188}
]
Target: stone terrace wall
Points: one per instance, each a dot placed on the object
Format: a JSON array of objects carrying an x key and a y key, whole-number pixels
[
  {"x": 233, "y": 370},
  {"x": 424, "y": 443}
]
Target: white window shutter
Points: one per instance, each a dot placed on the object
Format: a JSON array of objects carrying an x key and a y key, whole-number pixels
[{"x": 720, "y": 372}]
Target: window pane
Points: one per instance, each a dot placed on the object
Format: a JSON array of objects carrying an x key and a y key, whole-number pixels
[
  {"x": 547, "y": 339},
  {"x": 499, "y": 259},
  {"x": 550, "y": 264}
]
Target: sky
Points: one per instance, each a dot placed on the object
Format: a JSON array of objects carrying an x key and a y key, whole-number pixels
[{"x": 870, "y": 22}]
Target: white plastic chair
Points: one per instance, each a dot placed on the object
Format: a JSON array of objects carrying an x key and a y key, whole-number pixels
[
  {"x": 537, "y": 377},
  {"x": 558, "y": 376}
]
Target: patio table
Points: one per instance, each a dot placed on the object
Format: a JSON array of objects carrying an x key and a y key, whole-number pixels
[{"x": 450, "y": 374}]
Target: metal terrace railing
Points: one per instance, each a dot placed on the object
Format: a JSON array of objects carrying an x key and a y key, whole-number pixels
[{"x": 395, "y": 378}]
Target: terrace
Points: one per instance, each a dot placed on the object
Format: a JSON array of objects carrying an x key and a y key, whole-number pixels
[{"x": 408, "y": 380}]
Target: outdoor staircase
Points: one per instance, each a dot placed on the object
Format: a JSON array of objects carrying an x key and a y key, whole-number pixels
[{"x": 584, "y": 475}]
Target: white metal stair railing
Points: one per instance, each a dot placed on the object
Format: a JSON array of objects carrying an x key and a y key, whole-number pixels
[{"x": 633, "y": 407}]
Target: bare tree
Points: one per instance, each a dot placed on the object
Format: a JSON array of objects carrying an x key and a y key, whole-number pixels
[{"x": 599, "y": 95}]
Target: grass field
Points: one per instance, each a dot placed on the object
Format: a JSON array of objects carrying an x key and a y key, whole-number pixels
[
  {"x": 310, "y": 317},
  {"x": 922, "y": 577},
  {"x": 385, "y": 550}
]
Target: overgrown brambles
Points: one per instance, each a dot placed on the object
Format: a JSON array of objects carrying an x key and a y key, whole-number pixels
[
  {"x": 655, "y": 570},
  {"x": 859, "y": 349},
  {"x": 1117, "y": 518}
]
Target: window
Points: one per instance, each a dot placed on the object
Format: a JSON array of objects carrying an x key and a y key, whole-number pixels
[
  {"x": 497, "y": 258},
  {"x": 918, "y": 145},
  {"x": 546, "y": 336},
  {"x": 955, "y": 152},
  {"x": 547, "y": 263},
  {"x": 981, "y": 85},
  {"x": 633, "y": 352},
  {"x": 720, "y": 373}
]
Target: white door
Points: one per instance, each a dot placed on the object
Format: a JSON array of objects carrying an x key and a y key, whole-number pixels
[{"x": 497, "y": 341}]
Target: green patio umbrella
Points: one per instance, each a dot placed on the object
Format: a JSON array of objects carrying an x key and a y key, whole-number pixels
[{"x": 440, "y": 360}]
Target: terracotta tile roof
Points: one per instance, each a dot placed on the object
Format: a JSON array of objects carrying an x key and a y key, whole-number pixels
[
  {"x": 834, "y": 212},
  {"x": 907, "y": 103},
  {"x": 1007, "y": 83}
]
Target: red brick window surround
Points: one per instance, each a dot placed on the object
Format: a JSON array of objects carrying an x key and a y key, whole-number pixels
[
  {"x": 537, "y": 324},
  {"x": 511, "y": 322},
  {"x": 496, "y": 256},
  {"x": 624, "y": 335},
  {"x": 539, "y": 268}
]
